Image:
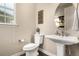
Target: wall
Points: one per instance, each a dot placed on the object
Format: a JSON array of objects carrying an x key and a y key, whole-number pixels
[
  {"x": 9, "y": 35},
  {"x": 48, "y": 27},
  {"x": 49, "y": 10},
  {"x": 69, "y": 17}
]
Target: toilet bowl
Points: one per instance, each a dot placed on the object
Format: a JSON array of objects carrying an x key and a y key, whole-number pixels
[{"x": 31, "y": 49}]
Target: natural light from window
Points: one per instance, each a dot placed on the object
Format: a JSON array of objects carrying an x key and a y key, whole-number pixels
[{"x": 7, "y": 13}]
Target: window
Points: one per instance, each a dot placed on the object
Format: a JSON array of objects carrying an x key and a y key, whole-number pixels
[
  {"x": 7, "y": 13},
  {"x": 40, "y": 17}
]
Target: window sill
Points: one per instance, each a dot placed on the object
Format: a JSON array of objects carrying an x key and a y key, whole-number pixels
[{"x": 8, "y": 24}]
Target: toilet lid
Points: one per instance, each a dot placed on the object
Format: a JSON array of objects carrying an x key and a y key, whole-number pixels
[{"x": 30, "y": 46}]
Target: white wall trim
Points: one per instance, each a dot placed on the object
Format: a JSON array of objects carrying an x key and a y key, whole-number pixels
[
  {"x": 40, "y": 49},
  {"x": 46, "y": 52},
  {"x": 18, "y": 54}
]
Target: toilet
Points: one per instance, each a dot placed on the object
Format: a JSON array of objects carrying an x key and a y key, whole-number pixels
[{"x": 31, "y": 49}]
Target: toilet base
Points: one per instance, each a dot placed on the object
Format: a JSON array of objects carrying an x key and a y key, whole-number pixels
[{"x": 32, "y": 52}]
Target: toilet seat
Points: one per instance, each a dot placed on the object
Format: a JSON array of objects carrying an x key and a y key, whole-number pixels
[{"x": 30, "y": 46}]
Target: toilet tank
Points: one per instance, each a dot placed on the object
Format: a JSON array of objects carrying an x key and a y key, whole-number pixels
[{"x": 38, "y": 38}]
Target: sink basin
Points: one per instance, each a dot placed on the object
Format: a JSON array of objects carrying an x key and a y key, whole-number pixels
[
  {"x": 66, "y": 40},
  {"x": 61, "y": 41}
]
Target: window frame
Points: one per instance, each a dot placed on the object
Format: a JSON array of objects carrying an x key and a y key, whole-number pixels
[{"x": 5, "y": 23}]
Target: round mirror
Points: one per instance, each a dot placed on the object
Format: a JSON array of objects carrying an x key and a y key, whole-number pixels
[{"x": 64, "y": 16}]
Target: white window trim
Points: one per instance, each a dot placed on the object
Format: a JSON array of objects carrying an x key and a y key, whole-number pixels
[{"x": 14, "y": 18}]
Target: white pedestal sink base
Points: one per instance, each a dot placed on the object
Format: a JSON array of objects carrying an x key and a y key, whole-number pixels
[
  {"x": 60, "y": 50},
  {"x": 61, "y": 41}
]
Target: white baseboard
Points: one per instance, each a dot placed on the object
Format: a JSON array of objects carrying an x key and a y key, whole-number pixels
[
  {"x": 46, "y": 52},
  {"x": 40, "y": 49},
  {"x": 18, "y": 54}
]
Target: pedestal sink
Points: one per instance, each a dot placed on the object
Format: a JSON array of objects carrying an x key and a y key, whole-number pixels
[{"x": 61, "y": 41}]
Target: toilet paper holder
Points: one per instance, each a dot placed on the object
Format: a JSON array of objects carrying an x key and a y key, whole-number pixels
[{"x": 21, "y": 40}]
